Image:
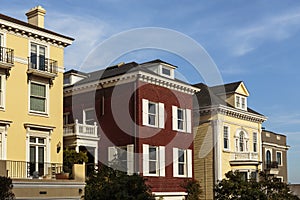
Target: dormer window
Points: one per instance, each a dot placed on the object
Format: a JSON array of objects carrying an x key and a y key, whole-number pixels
[
  {"x": 241, "y": 102},
  {"x": 166, "y": 71}
]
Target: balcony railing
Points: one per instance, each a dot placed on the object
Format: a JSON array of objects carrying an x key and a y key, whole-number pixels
[
  {"x": 245, "y": 156},
  {"x": 22, "y": 169},
  {"x": 6, "y": 55},
  {"x": 40, "y": 63},
  {"x": 78, "y": 129},
  {"x": 272, "y": 165}
]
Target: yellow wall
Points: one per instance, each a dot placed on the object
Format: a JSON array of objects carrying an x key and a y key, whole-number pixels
[{"x": 17, "y": 101}]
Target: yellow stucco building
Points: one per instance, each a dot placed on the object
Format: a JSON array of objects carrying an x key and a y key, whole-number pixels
[
  {"x": 31, "y": 106},
  {"x": 228, "y": 135}
]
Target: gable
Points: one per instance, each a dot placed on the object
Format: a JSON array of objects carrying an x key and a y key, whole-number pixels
[{"x": 241, "y": 89}]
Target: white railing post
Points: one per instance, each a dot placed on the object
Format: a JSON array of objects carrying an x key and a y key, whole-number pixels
[
  {"x": 95, "y": 129},
  {"x": 76, "y": 127}
]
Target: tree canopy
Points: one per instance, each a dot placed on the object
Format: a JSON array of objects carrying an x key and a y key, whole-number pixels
[
  {"x": 234, "y": 187},
  {"x": 6, "y": 188},
  {"x": 113, "y": 184}
]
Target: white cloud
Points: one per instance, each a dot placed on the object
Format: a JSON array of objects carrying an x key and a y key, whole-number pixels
[{"x": 246, "y": 39}]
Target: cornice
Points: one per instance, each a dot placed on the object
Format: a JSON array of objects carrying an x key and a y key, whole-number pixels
[
  {"x": 233, "y": 112},
  {"x": 130, "y": 77},
  {"x": 24, "y": 31},
  {"x": 285, "y": 147}
]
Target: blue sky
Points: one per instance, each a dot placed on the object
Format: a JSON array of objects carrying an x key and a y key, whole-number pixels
[{"x": 255, "y": 41}]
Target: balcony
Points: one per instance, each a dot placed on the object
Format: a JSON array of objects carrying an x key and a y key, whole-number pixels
[
  {"x": 81, "y": 130},
  {"x": 272, "y": 168},
  {"x": 43, "y": 67},
  {"x": 6, "y": 59},
  {"x": 244, "y": 158},
  {"x": 25, "y": 170}
]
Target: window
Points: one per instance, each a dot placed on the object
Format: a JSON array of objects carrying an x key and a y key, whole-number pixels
[
  {"x": 166, "y": 71},
  {"x": 241, "y": 102},
  {"x": 122, "y": 158},
  {"x": 38, "y": 97},
  {"x": 2, "y": 90},
  {"x": 182, "y": 162},
  {"x": 268, "y": 157},
  {"x": 37, "y": 155},
  {"x": 181, "y": 119},
  {"x": 66, "y": 118},
  {"x": 153, "y": 160},
  {"x": 38, "y": 57},
  {"x": 153, "y": 114},
  {"x": 254, "y": 142},
  {"x": 226, "y": 137},
  {"x": 89, "y": 117},
  {"x": 241, "y": 141},
  {"x": 279, "y": 157}
]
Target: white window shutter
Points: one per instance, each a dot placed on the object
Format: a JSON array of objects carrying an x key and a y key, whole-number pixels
[
  {"x": 145, "y": 103},
  {"x": 161, "y": 115},
  {"x": 145, "y": 159},
  {"x": 174, "y": 118},
  {"x": 112, "y": 152},
  {"x": 162, "y": 161},
  {"x": 175, "y": 162},
  {"x": 130, "y": 159},
  {"x": 188, "y": 120},
  {"x": 189, "y": 163}
]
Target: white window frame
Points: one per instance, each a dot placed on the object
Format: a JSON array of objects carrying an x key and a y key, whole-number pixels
[
  {"x": 159, "y": 115},
  {"x": 160, "y": 166},
  {"x": 113, "y": 154},
  {"x": 238, "y": 101},
  {"x": 187, "y": 120},
  {"x": 188, "y": 168},
  {"x": 2, "y": 91},
  {"x": 166, "y": 75},
  {"x": 47, "y": 103},
  {"x": 271, "y": 155},
  {"x": 281, "y": 163},
  {"x": 238, "y": 142},
  {"x": 228, "y": 138},
  {"x": 66, "y": 118},
  {"x": 38, "y": 51},
  {"x": 84, "y": 119},
  {"x": 255, "y": 142}
]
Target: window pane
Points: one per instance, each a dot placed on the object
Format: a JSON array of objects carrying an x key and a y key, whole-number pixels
[
  {"x": 238, "y": 101},
  {"x": 41, "y": 140},
  {"x": 180, "y": 125},
  {"x": 152, "y": 153},
  {"x": 180, "y": 155},
  {"x": 166, "y": 71},
  {"x": 279, "y": 158},
  {"x": 32, "y": 139},
  {"x": 152, "y": 167},
  {"x": 225, "y": 137},
  {"x": 181, "y": 169},
  {"x": 180, "y": 114},
  {"x": 268, "y": 157},
  {"x": 151, "y": 120},
  {"x": 152, "y": 108},
  {"x": 37, "y": 104},
  {"x": 38, "y": 90}
]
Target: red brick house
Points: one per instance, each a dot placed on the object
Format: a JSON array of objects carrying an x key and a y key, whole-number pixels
[{"x": 137, "y": 117}]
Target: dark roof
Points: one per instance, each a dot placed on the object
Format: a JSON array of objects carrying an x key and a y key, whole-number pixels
[
  {"x": 159, "y": 61},
  {"x": 227, "y": 88},
  {"x": 208, "y": 97},
  {"x": 109, "y": 72},
  {"x": 16, "y": 21},
  {"x": 75, "y": 72}
]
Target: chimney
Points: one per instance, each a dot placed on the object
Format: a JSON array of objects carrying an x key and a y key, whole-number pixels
[{"x": 36, "y": 15}]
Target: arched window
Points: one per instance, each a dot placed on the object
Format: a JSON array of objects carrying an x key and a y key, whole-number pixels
[
  {"x": 241, "y": 141},
  {"x": 268, "y": 157}
]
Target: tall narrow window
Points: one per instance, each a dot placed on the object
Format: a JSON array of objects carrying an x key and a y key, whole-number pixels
[
  {"x": 279, "y": 158},
  {"x": 38, "y": 97},
  {"x": 180, "y": 119},
  {"x": 254, "y": 142},
  {"x": 181, "y": 162},
  {"x": 153, "y": 162},
  {"x": 226, "y": 137},
  {"x": 1, "y": 49},
  {"x": 242, "y": 142},
  {"x": 237, "y": 101},
  {"x": 243, "y": 102},
  {"x": 2, "y": 90},
  {"x": 152, "y": 114},
  {"x": 268, "y": 157},
  {"x": 38, "y": 57}
]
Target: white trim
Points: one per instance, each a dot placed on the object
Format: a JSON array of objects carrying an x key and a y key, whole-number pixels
[
  {"x": 281, "y": 161},
  {"x": 161, "y": 115},
  {"x": 47, "y": 104},
  {"x": 276, "y": 145},
  {"x": 3, "y": 95},
  {"x": 3, "y": 39},
  {"x": 174, "y": 118},
  {"x": 32, "y": 31},
  {"x": 162, "y": 161},
  {"x": 228, "y": 137},
  {"x": 130, "y": 159},
  {"x": 189, "y": 163},
  {"x": 170, "y": 193},
  {"x": 175, "y": 162},
  {"x": 188, "y": 122},
  {"x": 84, "y": 114}
]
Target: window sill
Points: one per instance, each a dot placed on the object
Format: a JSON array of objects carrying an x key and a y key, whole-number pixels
[
  {"x": 38, "y": 114},
  {"x": 151, "y": 175},
  {"x": 152, "y": 126},
  {"x": 227, "y": 150}
]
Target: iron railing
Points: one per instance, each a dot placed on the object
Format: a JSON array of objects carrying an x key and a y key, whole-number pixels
[
  {"x": 6, "y": 55},
  {"x": 22, "y": 169},
  {"x": 41, "y": 63},
  {"x": 272, "y": 165}
]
